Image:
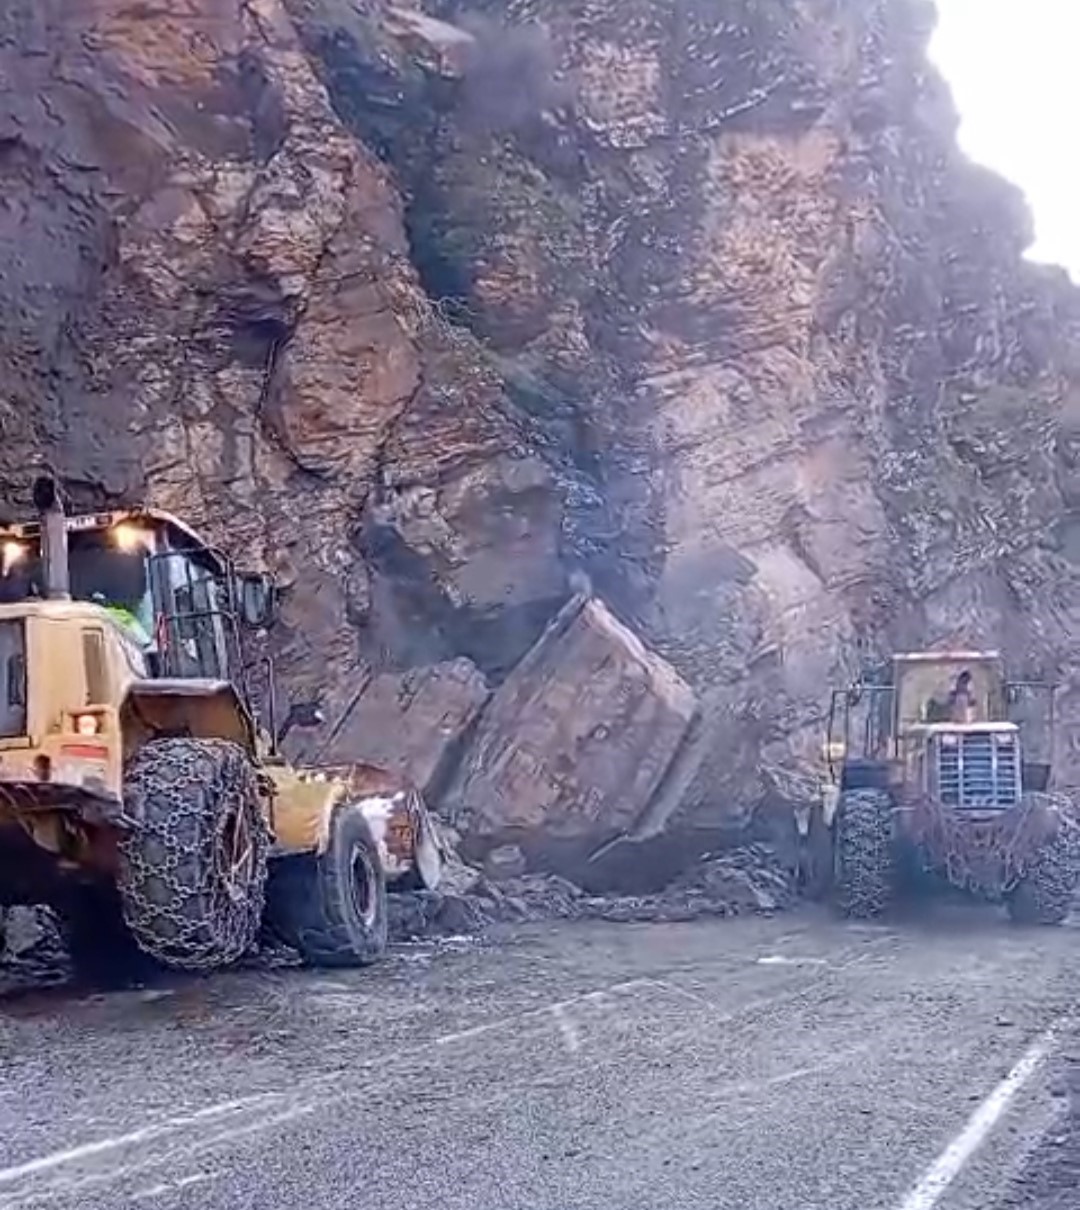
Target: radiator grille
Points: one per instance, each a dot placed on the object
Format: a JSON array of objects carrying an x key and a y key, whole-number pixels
[{"x": 978, "y": 769}]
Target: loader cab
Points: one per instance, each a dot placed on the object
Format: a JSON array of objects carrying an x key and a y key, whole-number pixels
[
  {"x": 171, "y": 595},
  {"x": 961, "y": 687},
  {"x": 947, "y": 723}
]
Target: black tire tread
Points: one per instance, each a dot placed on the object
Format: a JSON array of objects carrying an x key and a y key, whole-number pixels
[{"x": 308, "y": 904}]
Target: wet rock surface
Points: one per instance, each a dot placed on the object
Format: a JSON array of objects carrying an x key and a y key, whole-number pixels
[{"x": 804, "y": 401}]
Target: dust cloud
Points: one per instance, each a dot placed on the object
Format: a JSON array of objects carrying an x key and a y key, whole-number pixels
[{"x": 510, "y": 74}]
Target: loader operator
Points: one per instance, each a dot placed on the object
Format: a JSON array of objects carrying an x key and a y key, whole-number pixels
[
  {"x": 962, "y": 700},
  {"x": 128, "y": 620},
  {"x": 958, "y": 707}
]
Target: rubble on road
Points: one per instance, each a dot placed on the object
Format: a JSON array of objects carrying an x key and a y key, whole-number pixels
[
  {"x": 742, "y": 881},
  {"x": 32, "y": 953}
]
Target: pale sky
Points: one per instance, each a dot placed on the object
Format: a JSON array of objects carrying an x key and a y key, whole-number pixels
[{"x": 1013, "y": 69}]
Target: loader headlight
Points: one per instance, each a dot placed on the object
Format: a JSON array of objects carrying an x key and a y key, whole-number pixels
[
  {"x": 129, "y": 537},
  {"x": 12, "y": 554}
]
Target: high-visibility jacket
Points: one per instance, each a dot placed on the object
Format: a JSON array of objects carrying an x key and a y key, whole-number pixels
[{"x": 130, "y": 623}]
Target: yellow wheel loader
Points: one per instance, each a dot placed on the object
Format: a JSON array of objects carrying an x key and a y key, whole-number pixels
[
  {"x": 139, "y": 793},
  {"x": 939, "y": 765}
]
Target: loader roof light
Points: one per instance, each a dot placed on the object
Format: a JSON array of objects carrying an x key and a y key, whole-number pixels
[
  {"x": 12, "y": 553},
  {"x": 129, "y": 537}
]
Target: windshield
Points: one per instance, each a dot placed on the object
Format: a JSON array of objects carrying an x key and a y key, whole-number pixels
[
  {"x": 105, "y": 569},
  {"x": 110, "y": 575},
  {"x": 170, "y": 601}
]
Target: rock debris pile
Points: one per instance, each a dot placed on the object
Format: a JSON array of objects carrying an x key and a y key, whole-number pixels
[{"x": 743, "y": 881}]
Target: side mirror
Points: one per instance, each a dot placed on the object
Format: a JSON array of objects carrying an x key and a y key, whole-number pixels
[
  {"x": 301, "y": 714},
  {"x": 256, "y": 600}
]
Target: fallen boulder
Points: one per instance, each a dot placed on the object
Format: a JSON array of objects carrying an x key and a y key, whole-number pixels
[
  {"x": 410, "y": 723},
  {"x": 573, "y": 746}
]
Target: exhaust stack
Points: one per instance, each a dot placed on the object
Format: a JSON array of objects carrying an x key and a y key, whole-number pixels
[{"x": 54, "y": 539}]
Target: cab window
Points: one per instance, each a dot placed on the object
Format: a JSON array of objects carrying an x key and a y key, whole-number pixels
[{"x": 191, "y": 607}]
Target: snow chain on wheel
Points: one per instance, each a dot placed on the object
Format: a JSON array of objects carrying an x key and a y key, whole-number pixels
[
  {"x": 864, "y": 853},
  {"x": 1045, "y": 896},
  {"x": 193, "y": 871}
]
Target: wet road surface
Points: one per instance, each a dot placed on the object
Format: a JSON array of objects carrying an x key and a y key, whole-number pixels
[{"x": 789, "y": 1064}]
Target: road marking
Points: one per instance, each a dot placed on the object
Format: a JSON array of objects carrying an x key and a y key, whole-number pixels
[
  {"x": 288, "y": 1107},
  {"x": 73, "y": 1155},
  {"x": 947, "y": 1167},
  {"x": 195, "y": 1147},
  {"x": 570, "y": 1033}
]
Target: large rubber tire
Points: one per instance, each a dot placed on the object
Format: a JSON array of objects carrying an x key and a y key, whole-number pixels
[
  {"x": 864, "y": 872},
  {"x": 1046, "y": 895},
  {"x": 332, "y": 907},
  {"x": 192, "y": 877}
]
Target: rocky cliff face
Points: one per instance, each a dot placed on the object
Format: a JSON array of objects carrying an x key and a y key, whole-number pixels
[
  {"x": 209, "y": 302},
  {"x": 696, "y": 297}
]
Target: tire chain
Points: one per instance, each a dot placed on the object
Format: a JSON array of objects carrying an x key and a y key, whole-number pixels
[
  {"x": 865, "y": 838},
  {"x": 183, "y": 792},
  {"x": 1015, "y": 845},
  {"x": 1056, "y": 871}
]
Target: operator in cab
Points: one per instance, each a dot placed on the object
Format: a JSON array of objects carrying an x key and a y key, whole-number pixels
[{"x": 127, "y": 619}]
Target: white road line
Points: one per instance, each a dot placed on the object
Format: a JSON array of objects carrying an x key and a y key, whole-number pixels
[
  {"x": 74, "y": 1185},
  {"x": 947, "y": 1167},
  {"x": 290, "y": 1107},
  {"x": 570, "y": 1033},
  {"x": 59, "y": 1159}
]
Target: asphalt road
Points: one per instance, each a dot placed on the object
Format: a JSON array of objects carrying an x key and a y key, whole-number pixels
[{"x": 788, "y": 1064}]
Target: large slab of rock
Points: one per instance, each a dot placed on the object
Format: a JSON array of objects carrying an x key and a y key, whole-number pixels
[
  {"x": 575, "y": 743},
  {"x": 411, "y": 722}
]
